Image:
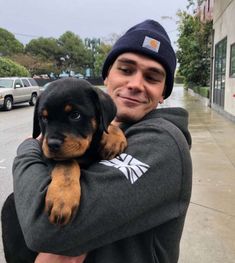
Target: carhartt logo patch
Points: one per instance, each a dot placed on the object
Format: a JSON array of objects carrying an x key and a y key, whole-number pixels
[
  {"x": 132, "y": 168},
  {"x": 151, "y": 43}
]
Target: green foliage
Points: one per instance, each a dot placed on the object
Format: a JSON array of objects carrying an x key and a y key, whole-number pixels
[
  {"x": 8, "y": 68},
  {"x": 100, "y": 56},
  {"x": 178, "y": 78},
  {"x": 67, "y": 53},
  {"x": 8, "y": 43},
  {"x": 203, "y": 91},
  {"x": 194, "y": 2},
  {"x": 35, "y": 64},
  {"x": 45, "y": 48},
  {"x": 76, "y": 56},
  {"x": 194, "y": 47}
]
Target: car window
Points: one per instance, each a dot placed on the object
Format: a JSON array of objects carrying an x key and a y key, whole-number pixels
[
  {"x": 18, "y": 82},
  {"x": 33, "y": 82},
  {"x": 6, "y": 83},
  {"x": 26, "y": 82}
]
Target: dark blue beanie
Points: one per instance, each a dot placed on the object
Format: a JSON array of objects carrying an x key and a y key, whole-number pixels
[{"x": 147, "y": 38}]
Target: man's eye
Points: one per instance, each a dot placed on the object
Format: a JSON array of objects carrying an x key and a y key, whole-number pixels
[
  {"x": 75, "y": 115},
  {"x": 152, "y": 79},
  {"x": 125, "y": 70}
]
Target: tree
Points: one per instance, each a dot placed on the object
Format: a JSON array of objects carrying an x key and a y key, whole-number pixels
[
  {"x": 9, "y": 44},
  {"x": 100, "y": 56},
  {"x": 35, "y": 65},
  {"x": 8, "y": 68},
  {"x": 45, "y": 48},
  {"x": 76, "y": 56},
  {"x": 194, "y": 45}
]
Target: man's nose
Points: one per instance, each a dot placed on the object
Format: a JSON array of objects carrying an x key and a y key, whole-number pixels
[{"x": 136, "y": 81}]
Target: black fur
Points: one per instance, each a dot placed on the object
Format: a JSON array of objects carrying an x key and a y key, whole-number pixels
[{"x": 91, "y": 103}]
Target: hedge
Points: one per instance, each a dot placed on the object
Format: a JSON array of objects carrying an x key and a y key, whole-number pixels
[{"x": 8, "y": 68}]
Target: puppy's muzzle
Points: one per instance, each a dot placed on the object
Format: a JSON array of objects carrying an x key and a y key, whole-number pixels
[{"x": 54, "y": 144}]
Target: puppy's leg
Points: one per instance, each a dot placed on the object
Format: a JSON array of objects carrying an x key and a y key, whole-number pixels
[
  {"x": 112, "y": 143},
  {"x": 14, "y": 245},
  {"x": 63, "y": 193}
]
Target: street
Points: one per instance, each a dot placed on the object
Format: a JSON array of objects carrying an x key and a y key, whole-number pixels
[
  {"x": 15, "y": 126},
  {"x": 209, "y": 234}
]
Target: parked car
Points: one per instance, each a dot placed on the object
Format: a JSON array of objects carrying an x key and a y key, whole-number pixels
[
  {"x": 44, "y": 87},
  {"x": 15, "y": 90},
  {"x": 79, "y": 76}
]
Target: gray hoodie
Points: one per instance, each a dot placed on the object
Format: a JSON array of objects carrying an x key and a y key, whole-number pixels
[{"x": 132, "y": 207}]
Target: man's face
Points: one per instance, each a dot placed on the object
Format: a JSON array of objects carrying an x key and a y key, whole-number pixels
[{"x": 136, "y": 84}]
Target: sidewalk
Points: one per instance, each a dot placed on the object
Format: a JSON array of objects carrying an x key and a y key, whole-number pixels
[{"x": 209, "y": 234}]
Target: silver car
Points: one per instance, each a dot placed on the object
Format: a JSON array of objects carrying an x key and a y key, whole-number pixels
[{"x": 15, "y": 90}]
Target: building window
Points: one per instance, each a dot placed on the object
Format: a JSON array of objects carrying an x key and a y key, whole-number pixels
[
  {"x": 219, "y": 73},
  {"x": 232, "y": 61},
  {"x": 220, "y": 64}
]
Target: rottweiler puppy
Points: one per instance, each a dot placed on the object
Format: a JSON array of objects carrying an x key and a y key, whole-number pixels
[{"x": 73, "y": 119}]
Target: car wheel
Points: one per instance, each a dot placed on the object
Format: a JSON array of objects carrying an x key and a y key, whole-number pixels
[
  {"x": 33, "y": 100},
  {"x": 8, "y": 103}
]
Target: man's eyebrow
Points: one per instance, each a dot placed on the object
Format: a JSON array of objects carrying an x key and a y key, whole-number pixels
[{"x": 126, "y": 60}]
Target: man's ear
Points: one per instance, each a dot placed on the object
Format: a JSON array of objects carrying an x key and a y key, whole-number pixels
[
  {"x": 105, "y": 82},
  {"x": 106, "y": 108},
  {"x": 161, "y": 100},
  {"x": 36, "y": 125}
]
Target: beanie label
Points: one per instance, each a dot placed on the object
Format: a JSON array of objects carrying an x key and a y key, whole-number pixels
[{"x": 151, "y": 43}]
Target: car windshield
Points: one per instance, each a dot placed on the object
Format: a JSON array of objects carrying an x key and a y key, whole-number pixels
[{"x": 6, "y": 83}]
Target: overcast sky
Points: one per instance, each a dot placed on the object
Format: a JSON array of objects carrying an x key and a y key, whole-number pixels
[{"x": 29, "y": 19}]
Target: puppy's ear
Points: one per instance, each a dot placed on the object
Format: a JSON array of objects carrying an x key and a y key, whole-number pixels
[
  {"x": 106, "y": 108},
  {"x": 36, "y": 125}
]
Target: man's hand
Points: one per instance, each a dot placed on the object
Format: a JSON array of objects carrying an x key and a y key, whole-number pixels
[{"x": 52, "y": 258}]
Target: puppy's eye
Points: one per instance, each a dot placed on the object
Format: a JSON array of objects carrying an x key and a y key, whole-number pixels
[{"x": 75, "y": 115}]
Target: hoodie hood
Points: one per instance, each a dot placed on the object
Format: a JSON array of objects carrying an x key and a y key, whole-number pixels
[{"x": 176, "y": 115}]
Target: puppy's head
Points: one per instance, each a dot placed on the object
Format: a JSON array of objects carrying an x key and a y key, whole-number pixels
[{"x": 68, "y": 114}]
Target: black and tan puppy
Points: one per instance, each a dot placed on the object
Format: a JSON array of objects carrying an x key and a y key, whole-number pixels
[{"x": 74, "y": 119}]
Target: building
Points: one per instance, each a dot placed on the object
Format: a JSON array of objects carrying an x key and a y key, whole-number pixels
[
  {"x": 205, "y": 10},
  {"x": 223, "y": 58}
]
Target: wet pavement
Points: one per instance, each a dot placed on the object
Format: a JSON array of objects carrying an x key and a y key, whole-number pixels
[{"x": 209, "y": 233}]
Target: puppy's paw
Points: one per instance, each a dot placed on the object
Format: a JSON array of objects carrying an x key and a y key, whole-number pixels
[
  {"x": 112, "y": 143},
  {"x": 62, "y": 203},
  {"x": 63, "y": 193}
]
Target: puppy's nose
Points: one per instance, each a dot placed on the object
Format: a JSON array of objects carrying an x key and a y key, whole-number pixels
[{"x": 54, "y": 144}]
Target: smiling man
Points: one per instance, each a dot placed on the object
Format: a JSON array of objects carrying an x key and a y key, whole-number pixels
[
  {"x": 136, "y": 84},
  {"x": 133, "y": 207}
]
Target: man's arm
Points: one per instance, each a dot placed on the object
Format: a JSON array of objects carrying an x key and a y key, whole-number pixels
[{"x": 146, "y": 186}]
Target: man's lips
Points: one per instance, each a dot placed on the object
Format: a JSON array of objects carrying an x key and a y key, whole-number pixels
[{"x": 131, "y": 99}]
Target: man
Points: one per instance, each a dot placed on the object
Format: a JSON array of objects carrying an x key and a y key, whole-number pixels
[{"x": 132, "y": 207}]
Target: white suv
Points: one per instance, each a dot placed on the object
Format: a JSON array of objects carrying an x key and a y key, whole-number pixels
[{"x": 15, "y": 90}]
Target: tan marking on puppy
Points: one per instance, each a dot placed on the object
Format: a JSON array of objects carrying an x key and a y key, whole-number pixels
[
  {"x": 94, "y": 124},
  {"x": 72, "y": 147},
  {"x": 76, "y": 146},
  {"x": 112, "y": 143},
  {"x": 45, "y": 113},
  {"x": 64, "y": 191},
  {"x": 68, "y": 108}
]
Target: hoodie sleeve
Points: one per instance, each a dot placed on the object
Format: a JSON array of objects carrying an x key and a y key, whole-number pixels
[{"x": 146, "y": 186}]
